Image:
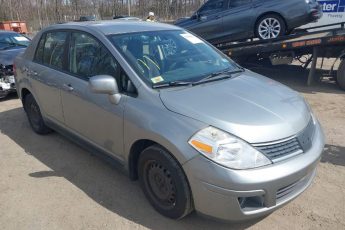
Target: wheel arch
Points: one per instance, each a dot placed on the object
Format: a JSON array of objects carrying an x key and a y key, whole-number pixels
[{"x": 134, "y": 153}]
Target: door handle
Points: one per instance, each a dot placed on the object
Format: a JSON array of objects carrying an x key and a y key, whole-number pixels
[
  {"x": 68, "y": 87},
  {"x": 30, "y": 72}
]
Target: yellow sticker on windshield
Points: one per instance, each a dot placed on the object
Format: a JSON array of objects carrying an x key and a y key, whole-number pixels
[{"x": 157, "y": 79}]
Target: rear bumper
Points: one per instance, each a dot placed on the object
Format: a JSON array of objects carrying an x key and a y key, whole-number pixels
[
  {"x": 237, "y": 195},
  {"x": 312, "y": 14},
  {"x": 315, "y": 13},
  {"x": 6, "y": 89},
  {"x": 7, "y": 85}
]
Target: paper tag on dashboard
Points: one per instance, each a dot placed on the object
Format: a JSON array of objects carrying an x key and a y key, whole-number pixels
[
  {"x": 21, "y": 39},
  {"x": 157, "y": 79},
  {"x": 191, "y": 38}
]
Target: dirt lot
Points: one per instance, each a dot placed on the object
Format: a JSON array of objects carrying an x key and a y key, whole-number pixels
[{"x": 47, "y": 182}]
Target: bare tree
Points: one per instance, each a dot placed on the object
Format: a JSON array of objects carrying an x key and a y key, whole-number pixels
[{"x": 40, "y": 13}]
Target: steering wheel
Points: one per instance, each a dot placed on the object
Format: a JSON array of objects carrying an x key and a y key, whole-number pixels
[
  {"x": 149, "y": 66},
  {"x": 179, "y": 59}
]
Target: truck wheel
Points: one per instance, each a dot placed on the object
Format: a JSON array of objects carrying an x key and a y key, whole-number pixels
[
  {"x": 164, "y": 183},
  {"x": 341, "y": 74},
  {"x": 270, "y": 26},
  {"x": 34, "y": 115}
]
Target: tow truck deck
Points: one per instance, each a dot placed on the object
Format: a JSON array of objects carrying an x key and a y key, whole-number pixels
[{"x": 326, "y": 41}]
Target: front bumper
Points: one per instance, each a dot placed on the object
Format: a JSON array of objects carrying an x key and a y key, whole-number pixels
[
  {"x": 5, "y": 91},
  {"x": 237, "y": 195},
  {"x": 7, "y": 86}
]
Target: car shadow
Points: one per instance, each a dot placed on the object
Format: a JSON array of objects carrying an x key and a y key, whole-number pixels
[
  {"x": 95, "y": 177},
  {"x": 334, "y": 155},
  {"x": 9, "y": 97},
  {"x": 296, "y": 77}
]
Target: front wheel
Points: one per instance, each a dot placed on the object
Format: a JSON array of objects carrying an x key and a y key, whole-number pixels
[
  {"x": 164, "y": 183},
  {"x": 270, "y": 26}
]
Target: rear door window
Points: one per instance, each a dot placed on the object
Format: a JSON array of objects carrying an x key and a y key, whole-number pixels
[
  {"x": 212, "y": 6},
  {"x": 88, "y": 57},
  {"x": 52, "y": 52},
  {"x": 40, "y": 50},
  {"x": 237, "y": 3}
]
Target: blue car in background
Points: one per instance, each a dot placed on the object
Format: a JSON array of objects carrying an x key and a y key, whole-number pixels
[{"x": 11, "y": 44}]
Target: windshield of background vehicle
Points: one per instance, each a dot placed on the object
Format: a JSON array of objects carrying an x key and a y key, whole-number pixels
[
  {"x": 8, "y": 40},
  {"x": 166, "y": 56}
]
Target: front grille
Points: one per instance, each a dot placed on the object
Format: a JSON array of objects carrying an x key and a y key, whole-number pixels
[
  {"x": 287, "y": 191},
  {"x": 281, "y": 149},
  {"x": 291, "y": 147}
]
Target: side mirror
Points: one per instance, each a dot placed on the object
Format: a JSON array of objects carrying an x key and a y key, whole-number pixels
[
  {"x": 203, "y": 18},
  {"x": 105, "y": 84},
  {"x": 195, "y": 15}
]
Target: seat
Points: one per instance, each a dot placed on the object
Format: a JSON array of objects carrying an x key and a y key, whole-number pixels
[
  {"x": 56, "y": 58},
  {"x": 86, "y": 59}
]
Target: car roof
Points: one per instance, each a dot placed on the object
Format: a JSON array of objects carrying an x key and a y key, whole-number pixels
[
  {"x": 8, "y": 32},
  {"x": 116, "y": 26}
]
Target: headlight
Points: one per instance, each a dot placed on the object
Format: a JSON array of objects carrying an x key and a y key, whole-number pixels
[{"x": 227, "y": 150}]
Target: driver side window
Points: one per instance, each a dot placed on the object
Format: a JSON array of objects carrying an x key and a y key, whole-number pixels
[
  {"x": 88, "y": 57},
  {"x": 212, "y": 6},
  {"x": 237, "y": 3}
]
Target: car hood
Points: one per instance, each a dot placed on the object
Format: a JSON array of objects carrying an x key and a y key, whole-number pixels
[
  {"x": 7, "y": 56},
  {"x": 250, "y": 106},
  {"x": 182, "y": 21}
]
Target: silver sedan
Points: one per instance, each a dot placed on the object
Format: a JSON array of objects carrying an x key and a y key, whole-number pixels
[{"x": 198, "y": 131}]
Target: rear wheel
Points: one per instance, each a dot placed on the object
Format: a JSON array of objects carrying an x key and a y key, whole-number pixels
[
  {"x": 164, "y": 183},
  {"x": 34, "y": 115},
  {"x": 270, "y": 26},
  {"x": 341, "y": 74}
]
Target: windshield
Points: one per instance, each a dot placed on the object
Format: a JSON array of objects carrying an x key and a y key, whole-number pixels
[
  {"x": 8, "y": 40},
  {"x": 170, "y": 56}
]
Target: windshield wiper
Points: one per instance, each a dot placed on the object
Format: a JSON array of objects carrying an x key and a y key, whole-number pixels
[
  {"x": 212, "y": 77},
  {"x": 171, "y": 84},
  {"x": 221, "y": 75}
]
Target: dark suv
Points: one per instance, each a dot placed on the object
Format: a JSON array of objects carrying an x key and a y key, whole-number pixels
[{"x": 230, "y": 20}]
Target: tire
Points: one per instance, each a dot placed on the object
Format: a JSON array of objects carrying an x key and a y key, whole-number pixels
[
  {"x": 341, "y": 74},
  {"x": 34, "y": 115},
  {"x": 164, "y": 183},
  {"x": 272, "y": 20}
]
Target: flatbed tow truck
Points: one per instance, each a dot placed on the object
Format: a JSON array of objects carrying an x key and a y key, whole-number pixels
[{"x": 327, "y": 41}]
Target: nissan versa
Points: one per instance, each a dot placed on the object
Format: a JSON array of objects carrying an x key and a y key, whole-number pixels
[{"x": 197, "y": 130}]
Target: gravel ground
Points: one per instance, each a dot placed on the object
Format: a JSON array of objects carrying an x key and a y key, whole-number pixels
[{"x": 47, "y": 182}]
